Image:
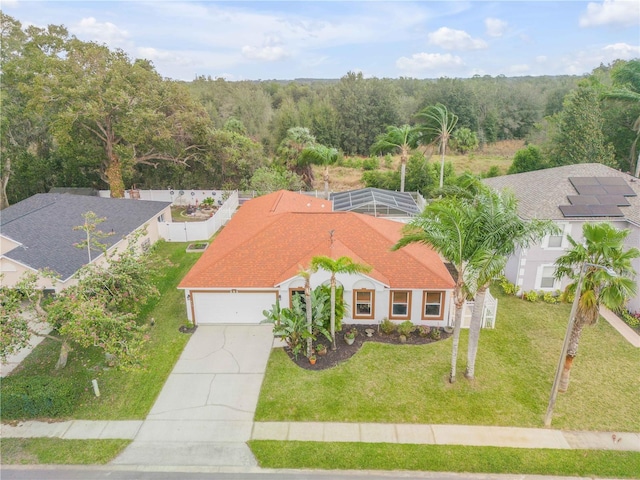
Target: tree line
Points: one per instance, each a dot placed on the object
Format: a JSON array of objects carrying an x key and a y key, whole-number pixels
[{"x": 78, "y": 114}]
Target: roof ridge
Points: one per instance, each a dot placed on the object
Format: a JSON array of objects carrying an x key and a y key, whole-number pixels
[{"x": 45, "y": 195}]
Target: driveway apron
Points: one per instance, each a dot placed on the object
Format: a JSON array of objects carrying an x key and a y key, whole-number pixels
[{"x": 204, "y": 413}]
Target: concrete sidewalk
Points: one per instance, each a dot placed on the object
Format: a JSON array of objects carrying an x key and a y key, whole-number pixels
[
  {"x": 511, "y": 437},
  {"x": 470, "y": 435},
  {"x": 623, "y": 329}
]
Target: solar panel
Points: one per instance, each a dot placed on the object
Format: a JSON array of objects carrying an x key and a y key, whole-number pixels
[
  {"x": 582, "y": 199},
  {"x": 590, "y": 211},
  {"x": 618, "y": 200},
  {"x": 597, "y": 197},
  {"x": 591, "y": 189},
  {"x": 575, "y": 181},
  {"x": 611, "y": 181},
  {"x": 620, "y": 190}
]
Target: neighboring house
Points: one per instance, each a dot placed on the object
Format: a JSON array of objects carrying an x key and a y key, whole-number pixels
[
  {"x": 379, "y": 203},
  {"x": 570, "y": 196},
  {"x": 257, "y": 257},
  {"x": 38, "y": 233}
]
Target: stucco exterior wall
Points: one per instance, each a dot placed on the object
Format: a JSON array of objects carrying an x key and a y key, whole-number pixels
[
  {"x": 525, "y": 267},
  {"x": 6, "y": 245},
  {"x": 382, "y": 299}
]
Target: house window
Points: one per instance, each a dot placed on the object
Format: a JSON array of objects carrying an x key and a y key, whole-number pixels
[
  {"x": 556, "y": 241},
  {"x": 161, "y": 218},
  {"x": 400, "y": 304},
  {"x": 363, "y": 303},
  {"x": 146, "y": 243},
  {"x": 432, "y": 305},
  {"x": 293, "y": 292},
  {"x": 547, "y": 279}
]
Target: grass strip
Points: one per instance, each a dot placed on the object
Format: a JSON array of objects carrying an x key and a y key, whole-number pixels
[
  {"x": 445, "y": 458},
  {"x": 33, "y": 451}
]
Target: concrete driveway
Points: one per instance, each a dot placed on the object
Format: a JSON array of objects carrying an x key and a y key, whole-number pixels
[{"x": 204, "y": 413}]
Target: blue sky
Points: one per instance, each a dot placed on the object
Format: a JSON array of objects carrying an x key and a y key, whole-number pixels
[{"x": 241, "y": 40}]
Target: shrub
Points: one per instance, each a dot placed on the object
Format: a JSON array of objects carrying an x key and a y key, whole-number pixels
[
  {"x": 531, "y": 296},
  {"x": 350, "y": 162},
  {"x": 388, "y": 160},
  {"x": 493, "y": 171},
  {"x": 208, "y": 202},
  {"x": 464, "y": 140},
  {"x": 507, "y": 287},
  {"x": 371, "y": 163},
  {"x": 405, "y": 328},
  {"x": 526, "y": 160},
  {"x": 631, "y": 319},
  {"x": 566, "y": 297},
  {"x": 424, "y": 331},
  {"x": 387, "y": 326},
  {"x": 385, "y": 180},
  {"x": 435, "y": 333},
  {"x": 549, "y": 297},
  {"x": 37, "y": 397}
]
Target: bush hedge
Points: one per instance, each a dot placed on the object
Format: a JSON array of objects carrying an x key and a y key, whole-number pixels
[{"x": 37, "y": 397}]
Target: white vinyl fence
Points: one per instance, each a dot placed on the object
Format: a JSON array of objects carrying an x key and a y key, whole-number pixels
[
  {"x": 177, "y": 197},
  {"x": 198, "y": 231},
  {"x": 488, "y": 314}
]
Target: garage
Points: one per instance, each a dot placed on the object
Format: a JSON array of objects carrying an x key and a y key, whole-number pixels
[{"x": 236, "y": 307}]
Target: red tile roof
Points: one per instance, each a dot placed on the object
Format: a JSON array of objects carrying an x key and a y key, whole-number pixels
[{"x": 271, "y": 238}]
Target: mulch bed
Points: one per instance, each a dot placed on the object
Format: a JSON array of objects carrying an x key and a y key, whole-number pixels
[{"x": 344, "y": 352}]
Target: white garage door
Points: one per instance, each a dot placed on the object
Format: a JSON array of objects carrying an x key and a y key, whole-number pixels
[{"x": 241, "y": 307}]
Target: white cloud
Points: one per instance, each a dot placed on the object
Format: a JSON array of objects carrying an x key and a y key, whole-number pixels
[
  {"x": 585, "y": 61},
  {"x": 541, "y": 58},
  {"x": 495, "y": 26},
  {"x": 451, "y": 39},
  {"x": 106, "y": 32},
  {"x": 428, "y": 61},
  {"x": 521, "y": 68},
  {"x": 611, "y": 12},
  {"x": 267, "y": 53},
  {"x": 622, "y": 51},
  {"x": 165, "y": 56}
]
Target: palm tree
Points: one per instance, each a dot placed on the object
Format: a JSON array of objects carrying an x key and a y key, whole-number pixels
[
  {"x": 290, "y": 151},
  {"x": 306, "y": 275},
  {"x": 601, "y": 254},
  {"x": 320, "y": 155},
  {"x": 339, "y": 265},
  {"x": 504, "y": 231},
  {"x": 437, "y": 128},
  {"x": 450, "y": 226},
  {"x": 403, "y": 139}
]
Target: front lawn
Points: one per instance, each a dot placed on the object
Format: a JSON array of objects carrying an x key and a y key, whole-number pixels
[
  {"x": 124, "y": 395},
  {"x": 515, "y": 369}
]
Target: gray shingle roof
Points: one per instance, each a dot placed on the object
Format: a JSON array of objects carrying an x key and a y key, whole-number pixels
[
  {"x": 43, "y": 225},
  {"x": 541, "y": 192}
]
